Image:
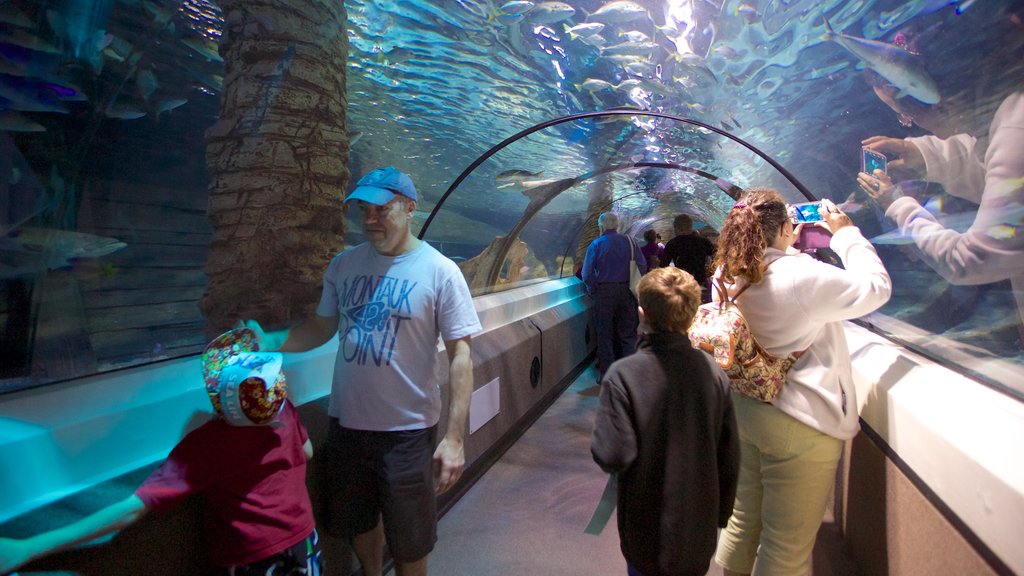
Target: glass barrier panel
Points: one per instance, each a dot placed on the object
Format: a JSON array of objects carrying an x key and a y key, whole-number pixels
[
  {"x": 106, "y": 109},
  {"x": 544, "y": 185}
]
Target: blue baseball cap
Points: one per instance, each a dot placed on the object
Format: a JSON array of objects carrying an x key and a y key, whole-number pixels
[{"x": 380, "y": 187}]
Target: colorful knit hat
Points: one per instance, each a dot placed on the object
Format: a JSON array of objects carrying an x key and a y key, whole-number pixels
[{"x": 246, "y": 387}]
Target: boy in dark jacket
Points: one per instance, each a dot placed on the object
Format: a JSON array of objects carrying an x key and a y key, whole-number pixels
[{"x": 665, "y": 425}]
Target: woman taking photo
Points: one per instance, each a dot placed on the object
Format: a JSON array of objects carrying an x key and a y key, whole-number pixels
[{"x": 790, "y": 447}]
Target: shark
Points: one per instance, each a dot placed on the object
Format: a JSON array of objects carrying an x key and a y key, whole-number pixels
[{"x": 901, "y": 68}]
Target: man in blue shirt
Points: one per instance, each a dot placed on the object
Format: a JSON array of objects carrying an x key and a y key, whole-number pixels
[{"x": 606, "y": 274}]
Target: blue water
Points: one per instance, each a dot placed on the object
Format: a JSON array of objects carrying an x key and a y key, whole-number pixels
[{"x": 433, "y": 85}]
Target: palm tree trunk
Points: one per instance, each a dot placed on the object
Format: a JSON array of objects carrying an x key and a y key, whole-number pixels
[{"x": 277, "y": 159}]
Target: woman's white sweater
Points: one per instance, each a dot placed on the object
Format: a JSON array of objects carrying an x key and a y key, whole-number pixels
[{"x": 799, "y": 305}]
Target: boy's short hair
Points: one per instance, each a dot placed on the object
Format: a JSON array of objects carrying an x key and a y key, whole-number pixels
[{"x": 670, "y": 297}]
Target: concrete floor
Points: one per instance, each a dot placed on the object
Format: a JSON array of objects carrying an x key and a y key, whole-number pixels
[{"x": 528, "y": 513}]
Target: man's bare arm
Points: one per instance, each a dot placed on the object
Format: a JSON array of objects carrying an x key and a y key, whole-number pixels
[
  {"x": 307, "y": 335},
  {"x": 450, "y": 456}
]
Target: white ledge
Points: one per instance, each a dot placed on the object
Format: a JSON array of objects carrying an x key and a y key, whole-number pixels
[
  {"x": 963, "y": 439},
  {"x": 59, "y": 439}
]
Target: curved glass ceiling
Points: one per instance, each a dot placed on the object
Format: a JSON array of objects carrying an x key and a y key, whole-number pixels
[
  {"x": 546, "y": 183},
  {"x": 117, "y": 120}
]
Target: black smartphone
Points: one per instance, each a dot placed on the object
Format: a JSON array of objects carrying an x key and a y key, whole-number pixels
[
  {"x": 805, "y": 212},
  {"x": 871, "y": 161}
]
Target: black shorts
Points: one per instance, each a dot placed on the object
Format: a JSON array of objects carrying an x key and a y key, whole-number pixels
[
  {"x": 371, "y": 475},
  {"x": 302, "y": 559}
]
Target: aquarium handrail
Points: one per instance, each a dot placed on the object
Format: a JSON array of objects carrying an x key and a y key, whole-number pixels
[{"x": 539, "y": 202}]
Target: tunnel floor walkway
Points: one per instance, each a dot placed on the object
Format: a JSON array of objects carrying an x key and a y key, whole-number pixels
[{"x": 528, "y": 513}]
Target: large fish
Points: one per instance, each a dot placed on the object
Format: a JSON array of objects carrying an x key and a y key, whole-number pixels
[
  {"x": 641, "y": 68},
  {"x": 517, "y": 176},
  {"x": 145, "y": 83},
  {"x": 517, "y": 7},
  {"x": 26, "y": 252},
  {"x": 550, "y": 12},
  {"x": 583, "y": 30},
  {"x": 123, "y": 111},
  {"x": 631, "y": 48},
  {"x": 901, "y": 68},
  {"x": 27, "y": 95},
  {"x": 168, "y": 105},
  {"x": 635, "y": 36},
  {"x": 594, "y": 85},
  {"x": 618, "y": 12}
]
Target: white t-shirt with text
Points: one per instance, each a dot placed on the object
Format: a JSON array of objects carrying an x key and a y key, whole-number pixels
[{"x": 392, "y": 312}]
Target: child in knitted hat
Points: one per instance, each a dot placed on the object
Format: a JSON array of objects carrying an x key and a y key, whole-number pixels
[{"x": 248, "y": 465}]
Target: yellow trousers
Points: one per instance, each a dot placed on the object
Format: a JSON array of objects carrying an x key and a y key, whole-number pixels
[{"x": 787, "y": 470}]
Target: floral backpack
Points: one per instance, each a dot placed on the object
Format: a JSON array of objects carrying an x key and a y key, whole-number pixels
[{"x": 720, "y": 330}]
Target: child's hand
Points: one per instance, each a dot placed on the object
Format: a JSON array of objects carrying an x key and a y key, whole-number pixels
[{"x": 267, "y": 341}]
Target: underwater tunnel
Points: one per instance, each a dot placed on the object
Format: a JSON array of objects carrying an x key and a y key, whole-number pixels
[{"x": 170, "y": 167}]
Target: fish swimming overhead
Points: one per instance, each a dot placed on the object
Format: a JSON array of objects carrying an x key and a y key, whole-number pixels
[
  {"x": 618, "y": 12},
  {"x": 594, "y": 85},
  {"x": 747, "y": 12},
  {"x": 517, "y": 176},
  {"x": 901, "y": 68},
  {"x": 583, "y": 30},
  {"x": 640, "y": 68},
  {"x": 631, "y": 48},
  {"x": 550, "y": 12},
  {"x": 595, "y": 40},
  {"x": 168, "y": 105},
  {"x": 517, "y": 7}
]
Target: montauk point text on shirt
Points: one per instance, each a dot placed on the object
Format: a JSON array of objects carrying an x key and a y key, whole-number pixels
[{"x": 375, "y": 307}]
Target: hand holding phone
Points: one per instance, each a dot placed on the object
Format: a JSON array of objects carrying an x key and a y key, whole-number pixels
[
  {"x": 871, "y": 161},
  {"x": 805, "y": 212}
]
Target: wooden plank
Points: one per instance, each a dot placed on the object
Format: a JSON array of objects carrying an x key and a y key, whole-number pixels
[
  {"x": 149, "y": 344},
  {"x": 100, "y": 299},
  {"x": 131, "y": 358},
  {"x": 156, "y": 195},
  {"x": 165, "y": 237},
  {"x": 149, "y": 217},
  {"x": 157, "y": 256},
  {"x": 144, "y": 316},
  {"x": 127, "y": 278}
]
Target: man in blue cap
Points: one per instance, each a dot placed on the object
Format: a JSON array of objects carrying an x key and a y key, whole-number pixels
[{"x": 390, "y": 299}]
